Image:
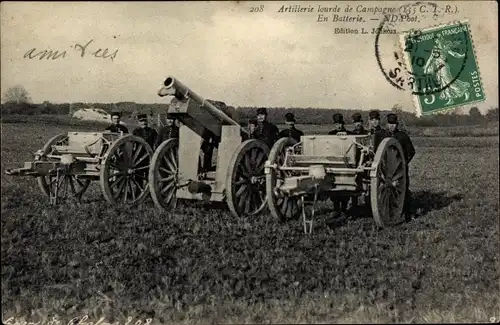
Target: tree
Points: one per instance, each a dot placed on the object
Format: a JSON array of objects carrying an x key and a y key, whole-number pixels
[
  {"x": 17, "y": 94},
  {"x": 475, "y": 114}
]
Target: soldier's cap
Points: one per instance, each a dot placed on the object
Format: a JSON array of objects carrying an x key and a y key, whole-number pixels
[
  {"x": 142, "y": 117},
  {"x": 262, "y": 110},
  {"x": 338, "y": 118},
  {"x": 116, "y": 113},
  {"x": 356, "y": 117},
  {"x": 392, "y": 118},
  {"x": 374, "y": 114},
  {"x": 289, "y": 117},
  {"x": 253, "y": 121}
]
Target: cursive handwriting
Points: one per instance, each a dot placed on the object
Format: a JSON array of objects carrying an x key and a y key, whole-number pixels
[
  {"x": 48, "y": 54},
  {"x": 84, "y": 49},
  {"x": 99, "y": 53}
]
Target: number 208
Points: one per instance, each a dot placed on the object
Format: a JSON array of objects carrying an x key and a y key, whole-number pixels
[{"x": 257, "y": 9}]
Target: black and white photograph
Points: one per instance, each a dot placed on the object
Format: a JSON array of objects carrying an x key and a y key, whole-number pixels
[{"x": 249, "y": 162}]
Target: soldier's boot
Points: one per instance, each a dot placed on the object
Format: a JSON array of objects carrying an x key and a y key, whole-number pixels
[{"x": 336, "y": 206}]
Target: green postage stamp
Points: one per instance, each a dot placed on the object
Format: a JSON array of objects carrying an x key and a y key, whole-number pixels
[{"x": 443, "y": 68}]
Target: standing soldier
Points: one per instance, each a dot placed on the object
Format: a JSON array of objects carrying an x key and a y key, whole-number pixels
[
  {"x": 145, "y": 132},
  {"x": 265, "y": 131},
  {"x": 338, "y": 124},
  {"x": 375, "y": 129},
  {"x": 357, "y": 120},
  {"x": 291, "y": 132},
  {"x": 408, "y": 151},
  {"x": 116, "y": 127},
  {"x": 169, "y": 131},
  {"x": 340, "y": 203}
]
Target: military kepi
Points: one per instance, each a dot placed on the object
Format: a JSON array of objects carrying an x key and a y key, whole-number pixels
[
  {"x": 374, "y": 115},
  {"x": 261, "y": 110},
  {"x": 116, "y": 113},
  {"x": 392, "y": 118},
  {"x": 338, "y": 118},
  {"x": 142, "y": 117},
  {"x": 289, "y": 117},
  {"x": 356, "y": 117}
]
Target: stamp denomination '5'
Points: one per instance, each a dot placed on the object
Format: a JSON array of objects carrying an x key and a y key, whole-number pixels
[{"x": 444, "y": 68}]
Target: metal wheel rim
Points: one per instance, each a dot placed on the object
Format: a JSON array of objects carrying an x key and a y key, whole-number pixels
[
  {"x": 129, "y": 157},
  {"x": 246, "y": 176},
  {"x": 388, "y": 184},
  {"x": 281, "y": 208},
  {"x": 164, "y": 170}
]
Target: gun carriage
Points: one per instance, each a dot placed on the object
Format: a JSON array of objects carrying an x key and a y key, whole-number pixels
[
  {"x": 69, "y": 162},
  {"x": 176, "y": 172},
  {"x": 128, "y": 169},
  {"x": 321, "y": 167}
]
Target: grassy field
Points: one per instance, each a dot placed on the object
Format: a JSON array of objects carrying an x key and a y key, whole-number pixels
[{"x": 200, "y": 265}]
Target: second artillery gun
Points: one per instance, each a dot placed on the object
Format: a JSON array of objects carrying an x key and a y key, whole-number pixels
[{"x": 176, "y": 173}]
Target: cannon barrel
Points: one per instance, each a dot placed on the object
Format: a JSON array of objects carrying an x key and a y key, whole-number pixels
[{"x": 173, "y": 86}]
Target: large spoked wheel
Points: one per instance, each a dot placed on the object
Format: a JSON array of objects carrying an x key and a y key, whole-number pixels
[
  {"x": 65, "y": 185},
  {"x": 246, "y": 181},
  {"x": 163, "y": 174},
  {"x": 281, "y": 206},
  {"x": 388, "y": 183},
  {"x": 124, "y": 171}
]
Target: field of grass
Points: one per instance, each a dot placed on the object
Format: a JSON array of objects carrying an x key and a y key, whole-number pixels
[{"x": 200, "y": 265}]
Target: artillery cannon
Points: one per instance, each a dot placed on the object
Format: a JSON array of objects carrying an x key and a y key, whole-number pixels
[
  {"x": 68, "y": 162},
  {"x": 176, "y": 172},
  {"x": 324, "y": 167}
]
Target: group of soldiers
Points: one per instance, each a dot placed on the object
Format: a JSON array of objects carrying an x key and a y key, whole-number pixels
[
  {"x": 260, "y": 128},
  {"x": 152, "y": 137}
]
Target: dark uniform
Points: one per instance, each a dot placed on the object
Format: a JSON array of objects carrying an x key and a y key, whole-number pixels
[
  {"x": 340, "y": 203},
  {"x": 145, "y": 132},
  {"x": 357, "y": 120},
  {"x": 167, "y": 132},
  {"x": 291, "y": 132},
  {"x": 265, "y": 131},
  {"x": 116, "y": 127},
  {"x": 408, "y": 151},
  {"x": 338, "y": 119},
  {"x": 378, "y": 133},
  {"x": 358, "y": 130}
]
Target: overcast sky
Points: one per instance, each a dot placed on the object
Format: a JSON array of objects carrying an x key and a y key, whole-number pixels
[{"x": 220, "y": 50}]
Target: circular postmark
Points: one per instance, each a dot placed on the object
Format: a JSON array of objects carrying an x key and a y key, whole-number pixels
[{"x": 422, "y": 64}]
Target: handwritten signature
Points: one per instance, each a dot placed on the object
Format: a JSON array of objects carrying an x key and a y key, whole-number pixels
[{"x": 82, "y": 49}]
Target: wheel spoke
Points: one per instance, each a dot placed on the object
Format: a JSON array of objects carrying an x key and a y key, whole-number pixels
[
  {"x": 146, "y": 155},
  {"x": 116, "y": 181},
  {"x": 126, "y": 191},
  {"x": 398, "y": 175},
  {"x": 284, "y": 205},
  {"x": 166, "y": 171},
  {"x": 248, "y": 164},
  {"x": 166, "y": 188},
  {"x": 120, "y": 189},
  {"x": 241, "y": 190},
  {"x": 138, "y": 149}
]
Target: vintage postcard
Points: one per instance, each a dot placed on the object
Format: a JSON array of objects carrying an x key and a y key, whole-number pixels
[{"x": 249, "y": 162}]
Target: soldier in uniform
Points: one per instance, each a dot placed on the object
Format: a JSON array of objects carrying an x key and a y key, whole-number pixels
[
  {"x": 339, "y": 204},
  {"x": 169, "y": 131},
  {"x": 252, "y": 126},
  {"x": 408, "y": 151},
  {"x": 145, "y": 132},
  {"x": 375, "y": 129},
  {"x": 265, "y": 131},
  {"x": 116, "y": 127},
  {"x": 291, "y": 132},
  {"x": 338, "y": 124},
  {"x": 357, "y": 120}
]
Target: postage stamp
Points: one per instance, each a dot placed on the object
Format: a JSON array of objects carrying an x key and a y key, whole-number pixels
[{"x": 444, "y": 73}]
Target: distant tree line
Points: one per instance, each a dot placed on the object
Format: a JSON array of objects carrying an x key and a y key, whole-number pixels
[
  {"x": 275, "y": 114},
  {"x": 17, "y": 101}
]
